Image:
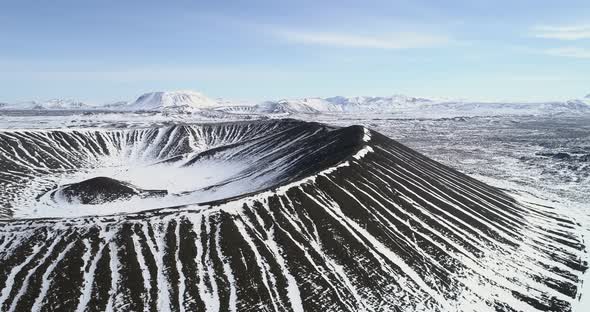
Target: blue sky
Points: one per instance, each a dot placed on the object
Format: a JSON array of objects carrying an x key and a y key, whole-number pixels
[{"x": 102, "y": 51}]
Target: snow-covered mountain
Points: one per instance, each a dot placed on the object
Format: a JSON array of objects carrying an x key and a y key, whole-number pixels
[
  {"x": 53, "y": 104},
  {"x": 304, "y": 105},
  {"x": 399, "y": 105},
  {"x": 65, "y": 104},
  {"x": 115, "y": 106},
  {"x": 416, "y": 106},
  {"x": 341, "y": 104},
  {"x": 377, "y": 103},
  {"x": 172, "y": 101}
]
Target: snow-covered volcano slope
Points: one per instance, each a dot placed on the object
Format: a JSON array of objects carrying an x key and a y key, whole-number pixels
[{"x": 344, "y": 220}]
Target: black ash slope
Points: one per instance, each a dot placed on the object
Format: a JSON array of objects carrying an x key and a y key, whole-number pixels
[{"x": 354, "y": 221}]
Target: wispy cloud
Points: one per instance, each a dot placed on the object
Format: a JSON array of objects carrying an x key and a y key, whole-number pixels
[
  {"x": 571, "y": 32},
  {"x": 544, "y": 77},
  {"x": 569, "y": 52},
  {"x": 406, "y": 40}
]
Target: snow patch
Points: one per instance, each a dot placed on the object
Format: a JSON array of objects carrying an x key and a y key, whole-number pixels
[{"x": 363, "y": 152}]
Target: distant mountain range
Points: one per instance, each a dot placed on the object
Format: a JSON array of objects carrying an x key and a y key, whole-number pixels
[
  {"x": 54, "y": 104},
  {"x": 191, "y": 101}
]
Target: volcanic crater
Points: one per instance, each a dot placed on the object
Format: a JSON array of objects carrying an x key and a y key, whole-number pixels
[{"x": 276, "y": 215}]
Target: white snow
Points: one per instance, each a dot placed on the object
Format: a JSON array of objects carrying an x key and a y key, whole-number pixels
[
  {"x": 367, "y": 135},
  {"x": 112, "y": 304},
  {"x": 145, "y": 273},
  {"x": 364, "y": 151}
]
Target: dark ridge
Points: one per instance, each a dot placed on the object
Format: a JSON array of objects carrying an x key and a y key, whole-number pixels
[
  {"x": 186, "y": 254},
  {"x": 130, "y": 271},
  {"x": 102, "y": 280},
  {"x": 324, "y": 150}
]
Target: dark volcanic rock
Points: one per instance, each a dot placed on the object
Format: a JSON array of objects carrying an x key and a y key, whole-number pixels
[
  {"x": 561, "y": 155},
  {"x": 558, "y": 156},
  {"x": 102, "y": 189}
]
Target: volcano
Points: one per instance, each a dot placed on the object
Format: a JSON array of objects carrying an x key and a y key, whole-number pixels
[{"x": 278, "y": 215}]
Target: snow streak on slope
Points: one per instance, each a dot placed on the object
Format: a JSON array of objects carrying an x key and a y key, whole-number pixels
[{"x": 353, "y": 221}]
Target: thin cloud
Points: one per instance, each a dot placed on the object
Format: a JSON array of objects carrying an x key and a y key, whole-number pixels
[
  {"x": 559, "y": 77},
  {"x": 573, "y": 52},
  {"x": 391, "y": 41},
  {"x": 572, "y": 32}
]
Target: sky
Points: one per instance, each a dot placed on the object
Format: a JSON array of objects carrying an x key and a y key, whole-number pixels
[{"x": 105, "y": 51}]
